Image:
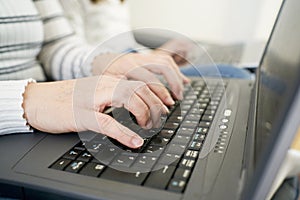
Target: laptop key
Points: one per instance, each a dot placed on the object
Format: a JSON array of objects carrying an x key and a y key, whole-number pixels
[
  {"x": 171, "y": 125},
  {"x": 185, "y": 107},
  {"x": 191, "y": 97},
  {"x": 191, "y": 154},
  {"x": 180, "y": 139},
  {"x": 204, "y": 124},
  {"x": 124, "y": 160},
  {"x": 166, "y": 133},
  {"x": 72, "y": 154},
  {"x": 207, "y": 118},
  {"x": 202, "y": 130},
  {"x": 107, "y": 155},
  {"x": 187, "y": 163},
  {"x": 185, "y": 131},
  {"x": 92, "y": 169},
  {"x": 187, "y": 102},
  {"x": 201, "y": 105},
  {"x": 144, "y": 163},
  {"x": 203, "y": 100},
  {"x": 155, "y": 151},
  {"x": 125, "y": 177},
  {"x": 61, "y": 164},
  {"x": 159, "y": 141},
  {"x": 216, "y": 98},
  {"x": 176, "y": 119},
  {"x": 199, "y": 137},
  {"x": 212, "y": 107},
  {"x": 169, "y": 159},
  {"x": 159, "y": 179},
  {"x": 215, "y": 103},
  {"x": 189, "y": 124},
  {"x": 193, "y": 117},
  {"x": 80, "y": 146},
  {"x": 177, "y": 149},
  {"x": 177, "y": 185},
  {"x": 198, "y": 83},
  {"x": 195, "y": 145},
  {"x": 94, "y": 146},
  {"x": 85, "y": 156},
  {"x": 210, "y": 112},
  {"x": 182, "y": 173},
  {"x": 75, "y": 166},
  {"x": 196, "y": 111},
  {"x": 148, "y": 133}
]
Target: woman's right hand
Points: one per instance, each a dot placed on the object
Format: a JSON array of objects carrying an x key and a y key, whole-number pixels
[{"x": 78, "y": 105}]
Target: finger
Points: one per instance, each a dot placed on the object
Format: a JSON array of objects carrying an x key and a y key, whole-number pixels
[
  {"x": 174, "y": 61},
  {"x": 169, "y": 73},
  {"x": 139, "y": 109},
  {"x": 110, "y": 127},
  {"x": 124, "y": 96},
  {"x": 179, "y": 60},
  {"x": 153, "y": 83},
  {"x": 157, "y": 108},
  {"x": 176, "y": 68}
]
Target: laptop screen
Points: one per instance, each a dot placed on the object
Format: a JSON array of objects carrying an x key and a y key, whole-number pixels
[{"x": 279, "y": 75}]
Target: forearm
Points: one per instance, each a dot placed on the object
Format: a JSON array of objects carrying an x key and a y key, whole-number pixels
[
  {"x": 65, "y": 59},
  {"x": 63, "y": 54}
]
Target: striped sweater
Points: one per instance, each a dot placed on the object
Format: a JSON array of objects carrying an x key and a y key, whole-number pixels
[{"x": 34, "y": 34}]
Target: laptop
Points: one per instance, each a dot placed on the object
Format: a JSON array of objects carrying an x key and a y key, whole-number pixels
[{"x": 225, "y": 140}]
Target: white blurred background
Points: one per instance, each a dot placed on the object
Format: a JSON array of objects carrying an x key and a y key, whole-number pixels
[{"x": 218, "y": 21}]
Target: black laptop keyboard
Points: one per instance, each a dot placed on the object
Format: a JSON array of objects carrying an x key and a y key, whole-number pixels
[{"x": 166, "y": 160}]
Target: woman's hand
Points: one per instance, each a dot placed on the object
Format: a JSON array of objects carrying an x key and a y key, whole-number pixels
[
  {"x": 78, "y": 105},
  {"x": 178, "y": 49},
  {"x": 143, "y": 67}
]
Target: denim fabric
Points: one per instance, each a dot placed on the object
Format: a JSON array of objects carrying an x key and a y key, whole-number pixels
[{"x": 225, "y": 71}]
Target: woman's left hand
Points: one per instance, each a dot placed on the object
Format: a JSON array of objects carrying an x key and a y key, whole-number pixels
[
  {"x": 144, "y": 67},
  {"x": 176, "y": 48}
]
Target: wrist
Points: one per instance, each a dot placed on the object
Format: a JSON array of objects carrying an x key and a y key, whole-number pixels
[
  {"x": 102, "y": 62},
  {"x": 28, "y": 107},
  {"x": 48, "y": 106}
]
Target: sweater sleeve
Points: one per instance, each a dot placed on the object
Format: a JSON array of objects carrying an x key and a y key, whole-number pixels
[
  {"x": 64, "y": 55},
  {"x": 11, "y": 110}
]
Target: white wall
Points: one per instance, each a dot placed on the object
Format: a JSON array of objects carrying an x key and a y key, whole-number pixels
[{"x": 222, "y": 21}]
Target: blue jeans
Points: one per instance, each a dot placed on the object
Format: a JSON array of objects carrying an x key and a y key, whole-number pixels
[{"x": 225, "y": 71}]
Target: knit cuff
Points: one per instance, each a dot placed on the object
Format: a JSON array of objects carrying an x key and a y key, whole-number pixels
[{"x": 11, "y": 111}]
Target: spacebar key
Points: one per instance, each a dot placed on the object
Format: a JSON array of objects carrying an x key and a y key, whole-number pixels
[{"x": 160, "y": 179}]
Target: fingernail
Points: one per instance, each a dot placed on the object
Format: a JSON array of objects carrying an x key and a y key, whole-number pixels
[
  {"x": 187, "y": 80},
  {"x": 166, "y": 109},
  {"x": 149, "y": 124},
  {"x": 180, "y": 95},
  {"x": 170, "y": 101},
  {"x": 137, "y": 141}
]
